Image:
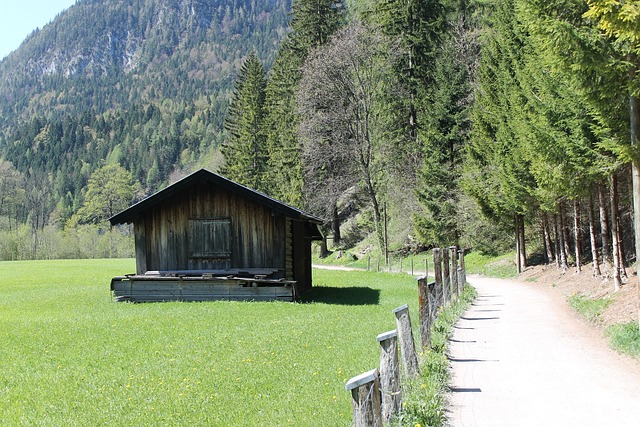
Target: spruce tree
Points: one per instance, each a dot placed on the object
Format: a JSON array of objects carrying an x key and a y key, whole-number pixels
[
  {"x": 497, "y": 173},
  {"x": 313, "y": 22},
  {"x": 244, "y": 151},
  {"x": 284, "y": 167},
  {"x": 445, "y": 130},
  {"x": 420, "y": 26}
]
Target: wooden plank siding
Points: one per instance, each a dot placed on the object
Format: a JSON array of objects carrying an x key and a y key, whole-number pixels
[
  {"x": 257, "y": 235},
  {"x": 142, "y": 289},
  {"x": 222, "y": 232}
]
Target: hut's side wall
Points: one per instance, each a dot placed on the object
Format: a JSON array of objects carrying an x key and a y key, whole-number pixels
[
  {"x": 301, "y": 254},
  {"x": 257, "y": 236}
]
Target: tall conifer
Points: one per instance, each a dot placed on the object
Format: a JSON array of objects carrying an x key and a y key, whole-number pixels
[
  {"x": 244, "y": 151},
  {"x": 313, "y": 22},
  {"x": 445, "y": 129}
]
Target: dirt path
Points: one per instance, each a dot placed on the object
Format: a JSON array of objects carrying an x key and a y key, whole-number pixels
[
  {"x": 336, "y": 267},
  {"x": 521, "y": 357}
]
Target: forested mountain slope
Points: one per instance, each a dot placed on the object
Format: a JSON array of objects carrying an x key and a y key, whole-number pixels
[
  {"x": 142, "y": 81},
  {"x": 105, "y": 54}
]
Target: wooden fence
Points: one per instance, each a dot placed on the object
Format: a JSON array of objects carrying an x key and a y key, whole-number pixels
[
  {"x": 377, "y": 394},
  {"x": 399, "y": 265}
]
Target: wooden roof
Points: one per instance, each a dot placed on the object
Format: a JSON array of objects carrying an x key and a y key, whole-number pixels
[{"x": 204, "y": 175}]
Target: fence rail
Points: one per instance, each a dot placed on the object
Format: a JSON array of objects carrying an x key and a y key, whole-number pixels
[{"x": 377, "y": 394}]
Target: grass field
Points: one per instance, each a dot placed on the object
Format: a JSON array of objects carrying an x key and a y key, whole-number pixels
[{"x": 72, "y": 357}]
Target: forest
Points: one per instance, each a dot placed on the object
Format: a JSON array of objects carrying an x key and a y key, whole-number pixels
[{"x": 490, "y": 124}]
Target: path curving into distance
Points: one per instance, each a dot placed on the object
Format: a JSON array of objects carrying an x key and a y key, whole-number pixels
[{"x": 520, "y": 357}]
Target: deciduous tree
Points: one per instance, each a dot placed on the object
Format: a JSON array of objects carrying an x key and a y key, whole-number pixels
[
  {"x": 343, "y": 117},
  {"x": 110, "y": 190}
]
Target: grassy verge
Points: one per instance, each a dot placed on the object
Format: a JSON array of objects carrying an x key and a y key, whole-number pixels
[
  {"x": 591, "y": 309},
  {"x": 625, "y": 338},
  {"x": 70, "y": 356},
  {"x": 376, "y": 262},
  {"x": 501, "y": 266},
  {"x": 426, "y": 398}
]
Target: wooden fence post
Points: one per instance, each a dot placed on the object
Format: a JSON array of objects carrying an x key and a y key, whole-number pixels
[
  {"x": 454, "y": 270},
  {"x": 424, "y": 312},
  {"x": 365, "y": 393},
  {"x": 446, "y": 279},
  {"x": 409, "y": 356},
  {"x": 464, "y": 270},
  {"x": 435, "y": 302},
  {"x": 390, "y": 387},
  {"x": 437, "y": 272}
]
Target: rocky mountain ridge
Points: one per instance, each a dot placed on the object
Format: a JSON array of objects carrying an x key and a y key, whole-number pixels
[{"x": 105, "y": 54}]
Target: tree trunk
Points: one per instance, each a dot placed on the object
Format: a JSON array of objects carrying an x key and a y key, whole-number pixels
[
  {"x": 634, "y": 104},
  {"x": 615, "y": 232},
  {"x": 592, "y": 238},
  {"x": 556, "y": 239},
  {"x": 547, "y": 238},
  {"x": 523, "y": 245},
  {"x": 604, "y": 230},
  {"x": 377, "y": 217},
  {"x": 521, "y": 253},
  {"x": 564, "y": 231},
  {"x": 516, "y": 226},
  {"x": 335, "y": 226},
  {"x": 621, "y": 248},
  {"x": 562, "y": 243},
  {"x": 576, "y": 235},
  {"x": 324, "y": 250}
]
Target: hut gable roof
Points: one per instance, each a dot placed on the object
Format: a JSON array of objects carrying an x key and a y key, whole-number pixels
[{"x": 204, "y": 175}]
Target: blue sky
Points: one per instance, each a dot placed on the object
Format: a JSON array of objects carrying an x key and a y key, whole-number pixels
[{"x": 18, "y": 18}]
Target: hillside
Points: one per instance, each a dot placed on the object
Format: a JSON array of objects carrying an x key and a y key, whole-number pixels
[
  {"x": 112, "y": 54},
  {"x": 143, "y": 83}
]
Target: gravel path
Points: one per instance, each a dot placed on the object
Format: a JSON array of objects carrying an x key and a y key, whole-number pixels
[{"x": 521, "y": 357}]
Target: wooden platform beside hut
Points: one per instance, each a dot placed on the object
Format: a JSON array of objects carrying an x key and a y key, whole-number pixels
[
  {"x": 206, "y": 287},
  {"x": 208, "y": 238}
]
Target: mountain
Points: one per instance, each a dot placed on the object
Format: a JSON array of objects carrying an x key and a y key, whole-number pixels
[
  {"x": 103, "y": 54},
  {"x": 143, "y": 83}
]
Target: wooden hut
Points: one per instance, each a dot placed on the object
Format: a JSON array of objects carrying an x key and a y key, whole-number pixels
[{"x": 208, "y": 238}]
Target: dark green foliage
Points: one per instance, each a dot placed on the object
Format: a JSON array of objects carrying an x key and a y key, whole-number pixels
[
  {"x": 313, "y": 22},
  {"x": 497, "y": 169},
  {"x": 284, "y": 167},
  {"x": 445, "y": 131},
  {"x": 244, "y": 151},
  {"x": 419, "y": 25},
  {"x": 146, "y": 141}
]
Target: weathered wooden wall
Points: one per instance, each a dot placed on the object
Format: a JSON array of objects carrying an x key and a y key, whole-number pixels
[{"x": 258, "y": 236}]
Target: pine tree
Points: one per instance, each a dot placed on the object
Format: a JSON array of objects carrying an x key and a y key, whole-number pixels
[
  {"x": 284, "y": 167},
  {"x": 497, "y": 173},
  {"x": 244, "y": 151},
  {"x": 445, "y": 131},
  {"x": 621, "y": 21},
  {"x": 420, "y": 26},
  {"x": 313, "y": 22}
]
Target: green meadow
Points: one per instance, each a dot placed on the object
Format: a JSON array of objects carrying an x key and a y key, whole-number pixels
[{"x": 70, "y": 356}]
